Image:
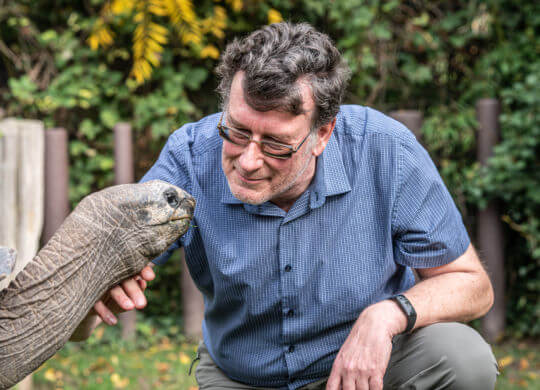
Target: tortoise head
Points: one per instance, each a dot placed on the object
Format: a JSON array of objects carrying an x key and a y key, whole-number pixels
[{"x": 149, "y": 217}]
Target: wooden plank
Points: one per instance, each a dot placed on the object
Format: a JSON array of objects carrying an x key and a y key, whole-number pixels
[
  {"x": 21, "y": 193},
  {"x": 8, "y": 182},
  {"x": 30, "y": 187}
]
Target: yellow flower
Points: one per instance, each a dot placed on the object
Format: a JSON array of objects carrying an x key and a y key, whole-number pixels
[
  {"x": 274, "y": 16},
  {"x": 236, "y": 5},
  {"x": 122, "y": 6},
  {"x": 50, "y": 375},
  {"x": 184, "y": 359},
  {"x": 210, "y": 51},
  {"x": 119, "y": 382}
]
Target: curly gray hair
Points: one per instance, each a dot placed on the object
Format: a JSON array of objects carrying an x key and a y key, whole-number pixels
[{"x": 274, "y": 58}]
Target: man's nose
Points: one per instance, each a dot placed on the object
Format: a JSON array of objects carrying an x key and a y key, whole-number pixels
[{"x": 251, "y": 158}]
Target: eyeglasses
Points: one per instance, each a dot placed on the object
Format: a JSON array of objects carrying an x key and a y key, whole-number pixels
[{"x": 268, "y": 148}]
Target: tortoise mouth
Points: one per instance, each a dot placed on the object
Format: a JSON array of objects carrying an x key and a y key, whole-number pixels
[
  {"x": 181, "y": 213},
  {"x": 180, "y": 217}
]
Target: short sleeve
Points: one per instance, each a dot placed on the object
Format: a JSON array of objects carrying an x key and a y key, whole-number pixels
[
  {"x": 427, "y": 227},
  {"x": 172, "y": 164},
  {"x": 172, "y": 167}
]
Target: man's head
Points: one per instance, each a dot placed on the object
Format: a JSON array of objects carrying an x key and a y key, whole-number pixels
[
  {"x": 281, "y": 84},
  {"x": 274, "y": 59}
]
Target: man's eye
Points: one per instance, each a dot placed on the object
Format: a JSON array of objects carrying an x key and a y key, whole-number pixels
[
  {"x": 275, "y": 148},
  {"x": 238, "y": 134}
]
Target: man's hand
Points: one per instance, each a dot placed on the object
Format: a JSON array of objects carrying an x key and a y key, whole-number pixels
[
  {"x": 363, "y": 358},
  {"x": 128, "y": 295}
]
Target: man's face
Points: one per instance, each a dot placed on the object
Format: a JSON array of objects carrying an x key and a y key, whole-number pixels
[{"x": 255, "y": 178}]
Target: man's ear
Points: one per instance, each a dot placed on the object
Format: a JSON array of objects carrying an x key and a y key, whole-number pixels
[{"x": 323, "y": 135}]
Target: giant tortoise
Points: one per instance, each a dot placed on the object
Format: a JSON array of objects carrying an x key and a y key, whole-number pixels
[{"x": 111, "y": 235}]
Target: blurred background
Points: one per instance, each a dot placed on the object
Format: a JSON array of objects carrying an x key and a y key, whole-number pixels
[{"x": 92, "y": 66}]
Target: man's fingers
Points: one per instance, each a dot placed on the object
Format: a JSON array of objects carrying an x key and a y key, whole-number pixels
[
  {"x": 103, "y": 311},
  {"x": 375, "y": 383},
  {"x": 333, "y": 382},
  {"x": 147, "y": 273},
  {"x": 134, "y": 292},
  {"x": 122, "y": 300},
  {"x": 142, "y": 283},
  {"x": 348, "y": 383}
]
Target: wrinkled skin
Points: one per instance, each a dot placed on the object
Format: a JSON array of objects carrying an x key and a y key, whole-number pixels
[{"x": 110, "y": 236}]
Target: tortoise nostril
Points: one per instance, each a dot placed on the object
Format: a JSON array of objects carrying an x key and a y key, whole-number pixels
[{"x": 172, "y": 198}]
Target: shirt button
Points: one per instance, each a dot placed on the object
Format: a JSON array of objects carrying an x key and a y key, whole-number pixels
[
  {"x": 288, "y": 268},
  {"x": 291, "y": 348},
  {"x": 290, "y": 313}
]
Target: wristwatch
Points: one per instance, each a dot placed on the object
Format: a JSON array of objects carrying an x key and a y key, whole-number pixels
[{"x": 408, "y": 309}]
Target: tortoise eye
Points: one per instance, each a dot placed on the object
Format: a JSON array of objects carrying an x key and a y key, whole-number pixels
[{"x": 172, "y": 198}]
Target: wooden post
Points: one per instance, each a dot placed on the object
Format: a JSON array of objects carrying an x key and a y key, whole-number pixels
[
  {"x": 123, "y": 174},
  {"x": 21, "y": 192},
  {"x": 192, "y": 303},
  {"x": 56, "y": 181},
  {"x": 413, "y": 119},
  {"x": 490, "y": 235}
]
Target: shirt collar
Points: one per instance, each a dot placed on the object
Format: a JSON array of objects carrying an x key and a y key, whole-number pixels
[{"x": 330, "y": 178}]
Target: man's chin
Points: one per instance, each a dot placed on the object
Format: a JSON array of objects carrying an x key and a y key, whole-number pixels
[
  {"x": 254, "y": 198},
  {"x": 249, "y": 199}
]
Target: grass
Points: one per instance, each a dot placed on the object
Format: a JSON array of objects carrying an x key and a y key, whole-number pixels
[
  {"x": 160, "y": 358},
  {"x": 519, "y": 365}
]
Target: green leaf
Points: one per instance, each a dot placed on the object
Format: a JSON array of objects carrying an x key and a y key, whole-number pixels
[
  {"x": 381, "y": 32},
  {"x": 89, "y": 129},
  {"x": 48, "y": 36},
  {"x": 109, "y": 117},
  {"x": 195, "y": 77}
]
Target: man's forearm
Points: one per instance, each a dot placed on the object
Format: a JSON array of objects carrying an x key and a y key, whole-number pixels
[
  {"x": 459, "y": 296},
  {"x": 459, "y": 291},
  {"x": 85, "y": 328}
]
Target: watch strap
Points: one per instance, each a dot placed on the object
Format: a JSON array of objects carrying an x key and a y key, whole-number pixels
[{"x": 408, "y": 309}]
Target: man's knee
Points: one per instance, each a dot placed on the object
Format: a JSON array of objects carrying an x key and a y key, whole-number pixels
[
  {"x": 441, "y": 356},
  {"x": 464, "y": 354}
]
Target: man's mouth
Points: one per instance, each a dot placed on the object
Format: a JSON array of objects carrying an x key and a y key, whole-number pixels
[{"x": 248, "y": 179}]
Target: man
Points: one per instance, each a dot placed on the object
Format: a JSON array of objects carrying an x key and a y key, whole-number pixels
[{"x": 310, "y": 218}]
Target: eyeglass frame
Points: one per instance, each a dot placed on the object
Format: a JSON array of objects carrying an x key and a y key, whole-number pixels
[{"x": 221, "y": 127}]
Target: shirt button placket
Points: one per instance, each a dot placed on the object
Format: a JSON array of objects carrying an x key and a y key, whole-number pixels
[{"x": 286, "y": 253}]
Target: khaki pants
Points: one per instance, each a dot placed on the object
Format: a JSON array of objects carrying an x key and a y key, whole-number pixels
[{"x": 439, "y": 356}]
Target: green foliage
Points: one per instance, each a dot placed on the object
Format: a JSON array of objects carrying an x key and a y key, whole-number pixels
[
  {"x": 449, "y": 134},
  {"x": 159, "y": 357},
  {"x": 512, "y": 71},
  {"x": 164, "y": 295},
  {"x": 437, "y": 56}
]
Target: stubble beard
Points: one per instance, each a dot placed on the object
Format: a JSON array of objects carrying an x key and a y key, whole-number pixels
[{"x": 275, "y": 190}]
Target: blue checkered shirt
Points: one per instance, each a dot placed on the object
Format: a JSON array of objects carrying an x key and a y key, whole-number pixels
[{"x": 283, "y": 289}]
